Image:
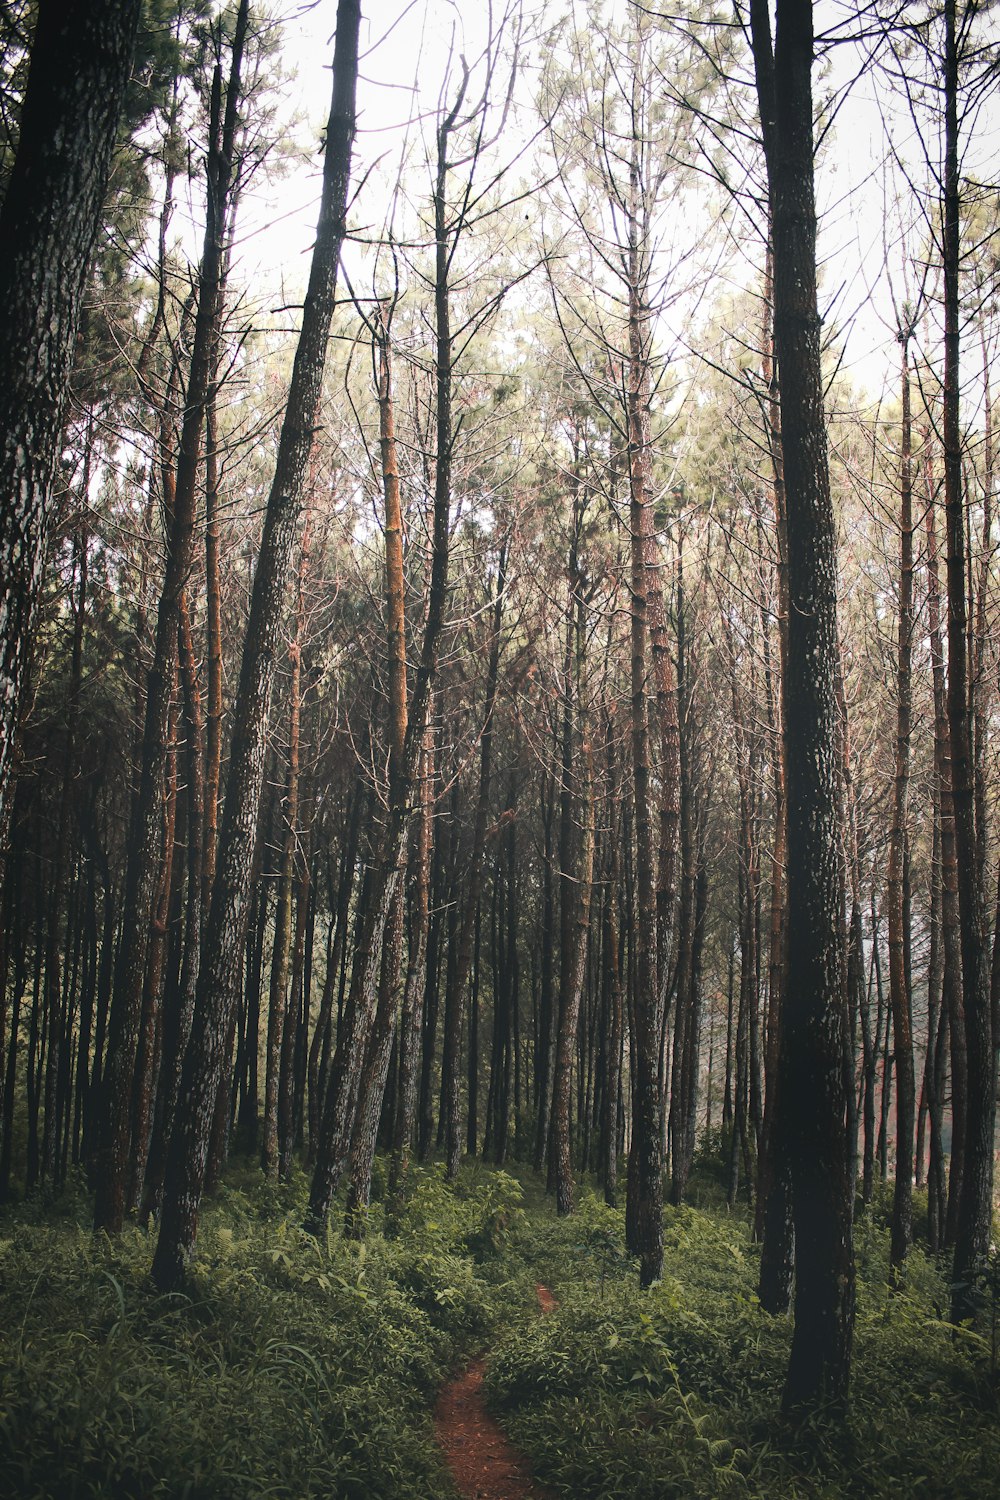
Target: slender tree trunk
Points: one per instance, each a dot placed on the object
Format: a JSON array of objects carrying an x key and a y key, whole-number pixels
[
  {"x": 899, "y": 991},
  {"x": 429, "y": 1024},
  {"x": 647, "y": 1101},
  {"x": 684, "y": 1018},
  {"x": 613, "y": 985},
  {"x": 560, "y": 1177},
  {"x": 574, "y": 965},
  {"x": 341, "y": 1103},
  {"x": 181, "y": 506},
  {"x": 975, "y": 1206},
  {"x": 950, "y": 934},
  {"x": 773, "y": 1212},
  {"x": 319, "y": 1049},
  {"x": 213, "y": 631},
  {"x": 509, "y": 988},
  {"x": 454, "y": 1004},
  {"x": 545, "y": 1046},
  {"x": 934, "y": 1066},
  {"x": 179, "y": 1007},
  {"x": 410, "y": 1019},
  {"x": 227, "y": 916},
  {"x": 380, "y": 1044},
  {"x": 54, "y": 936},
  {"x": 277, "y": 1015},
  {"x": 248, "y": 1060},
  {"x": 472, "y": 1061},
  {"x": 144, "y": 1082}
]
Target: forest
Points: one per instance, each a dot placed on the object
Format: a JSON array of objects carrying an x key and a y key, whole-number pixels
[{"x": 499, "y": 803}]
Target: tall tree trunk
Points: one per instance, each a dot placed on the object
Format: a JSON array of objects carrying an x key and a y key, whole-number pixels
[
  {"x": 935, "y": 1063},
  {"x": 575, "y": 936},
  {"x": 812, "y": 1047},
  {"x": 944, "y": 812},
  {"x": 380, "y": 1044},
  {"x": 53, "y": 935},
  {"x": 213, "y": 631},
  {"x": 181, "y": 507},
  {"x": 178, "y": 1006},
  {"x": 376, "y": 1067},
  {"x": 320, "y": 1046},
  {"x": 647, "y": 1102},
  {"x": 227, "y": 916},
  {"x": 277, "y": 1015},
  {"x": 899, "y": 991},
  {"x": 292, "y": 1087},
  {"x": 144, "y": 1081},
  {"x": 341, "y": 1102},
  {"x": 435, "y": 943},
  {"x": 411, "y": 1016},
  {"x": 81, "y": 57},
  {"x": 545, "y": 1042},
  {"x": 613, "y": 983},
  {"x": 560, "y": 1176},
  {"x": 454, "y": 1003},
  {"x": 509, "y": 989},
  {"x": 972, "y": 1230},
  {"x": 680, "y": 1156},
  {"x": 773, "y": 1209}
]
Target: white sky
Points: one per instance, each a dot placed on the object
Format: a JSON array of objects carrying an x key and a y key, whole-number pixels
[
  {"x": 401, "y": 44},
  {"x": 405, "y": 45}
]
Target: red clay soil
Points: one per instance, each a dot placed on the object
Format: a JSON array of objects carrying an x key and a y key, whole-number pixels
[
  {"x": 546, "y": 1301},
  {"x": 483, "y": 1461}
]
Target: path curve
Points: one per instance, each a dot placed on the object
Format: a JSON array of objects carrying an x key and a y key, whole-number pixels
[{"x": 483, "y": 1461}]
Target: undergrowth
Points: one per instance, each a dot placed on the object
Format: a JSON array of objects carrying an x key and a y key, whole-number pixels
[
  {"x": 291, "y": 1368},
  {"x": 675, "y": 1391},
  {"x": 288, "y": 1368}
]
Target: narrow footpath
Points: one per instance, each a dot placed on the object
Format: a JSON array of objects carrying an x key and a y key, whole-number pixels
[{"x": 483, "y": 1461}]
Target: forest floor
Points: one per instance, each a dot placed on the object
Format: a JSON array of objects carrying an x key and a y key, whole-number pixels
[
  {"x": 482, "y": 1460},
  {"x": 293, "y": 1368}
]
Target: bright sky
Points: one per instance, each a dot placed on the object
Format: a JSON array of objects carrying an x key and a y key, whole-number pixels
[
  {"x": 402, "y": 46},
  {"x": 404, "y": 53}
]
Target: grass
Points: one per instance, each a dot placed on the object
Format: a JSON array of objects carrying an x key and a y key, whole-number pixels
[
  {"x": 295, "y": 1369},
  {"x": 287, "y": 1368},
  {"x": 675, "y": 1391}
]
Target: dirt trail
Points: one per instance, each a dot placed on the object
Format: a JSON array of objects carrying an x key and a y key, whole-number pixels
[{"x": 483, "y": 1461}]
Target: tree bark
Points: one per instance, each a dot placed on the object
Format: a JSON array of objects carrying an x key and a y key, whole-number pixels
[
  {"x": 81, "y": 56},
  {"x": 575, "y": 935},
  {"x": 379, "y": 1045},
  {"x": 899, "y": 991},
  {"x": 277, "y": 1014},
  {"x": 227, "y": 915},
  {"x": 773, "y": 1211},
  {"x": 181, "y": 507},
  {"x": 411, "y": 1017},
  {"x": 812, "y": 1049},
  {"x": 647, "y": 1100},
  {"x": 455, "y": 1000},
  {"x": 975, "y": 1206}
]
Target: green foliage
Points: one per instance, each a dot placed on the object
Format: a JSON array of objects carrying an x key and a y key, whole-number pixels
[
  {"x": 288, "y": 1368},
  {"x": 297, "y": 1367},
  {"x": 676, "y": 1391}
]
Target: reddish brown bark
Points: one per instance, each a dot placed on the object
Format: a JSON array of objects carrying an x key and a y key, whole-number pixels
[{"x": 140, "y": 880}]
